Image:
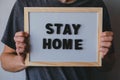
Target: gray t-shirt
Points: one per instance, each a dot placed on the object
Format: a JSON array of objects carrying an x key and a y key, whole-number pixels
[{"x": 16, "y": 23}]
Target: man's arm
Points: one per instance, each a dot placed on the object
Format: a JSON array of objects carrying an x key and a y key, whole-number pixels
[{"x": 11, "y": 61}]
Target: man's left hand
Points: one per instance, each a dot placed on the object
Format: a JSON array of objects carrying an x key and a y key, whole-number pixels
[{"x": 105, "y": 42}]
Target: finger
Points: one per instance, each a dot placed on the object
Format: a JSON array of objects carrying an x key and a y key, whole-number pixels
[
  {"x": 22, "y": 48},
  {"x": 105, "y": 44},
  {"x": 21, "y": 34},
  {"x": 17, "y": 51},
  {"x": 106, "y": 39},
  {"x": 103, "y": 51},
  {"x": 19, "y": 39},
  {"x": 20, "y": 45},
  {"x": 107, "y": 33},
  {"x": 20, "y": 51}
]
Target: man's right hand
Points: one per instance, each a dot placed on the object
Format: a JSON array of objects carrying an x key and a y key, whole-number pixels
[{"x": 21, "y": 42}]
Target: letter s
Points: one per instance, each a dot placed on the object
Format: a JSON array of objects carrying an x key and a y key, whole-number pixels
[{"x": 49, "y": 28}]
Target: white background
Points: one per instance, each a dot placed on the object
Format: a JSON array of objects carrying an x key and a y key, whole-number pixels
[{"x": 114, "y": 10}]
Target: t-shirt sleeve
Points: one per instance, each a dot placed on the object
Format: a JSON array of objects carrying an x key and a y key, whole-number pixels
[{"x": 15, "y": 23}]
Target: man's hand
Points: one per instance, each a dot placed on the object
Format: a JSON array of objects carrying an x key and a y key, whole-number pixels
[
  {"x": 106, "y": 42},
  {"x": 21, "y": 42}
]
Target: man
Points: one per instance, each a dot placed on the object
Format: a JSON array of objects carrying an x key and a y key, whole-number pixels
[{"x": 16, "y": 46}]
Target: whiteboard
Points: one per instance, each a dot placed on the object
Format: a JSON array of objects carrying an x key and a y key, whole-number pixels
[{"x": 63, "y": 36}]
